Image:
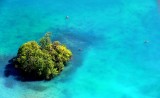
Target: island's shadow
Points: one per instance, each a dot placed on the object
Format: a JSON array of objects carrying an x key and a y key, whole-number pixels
[
  {"x": 26, "y": 81},
  {"x": 10, "y": 70}
]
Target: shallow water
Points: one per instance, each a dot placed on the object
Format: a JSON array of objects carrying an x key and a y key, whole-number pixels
[{"x": 114, "y": 61}]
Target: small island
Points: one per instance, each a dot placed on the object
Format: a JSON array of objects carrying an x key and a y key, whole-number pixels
[{"x": 42, "y": 60}]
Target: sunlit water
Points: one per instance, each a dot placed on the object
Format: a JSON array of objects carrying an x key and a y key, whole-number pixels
[{"x": 114, "y": 61}]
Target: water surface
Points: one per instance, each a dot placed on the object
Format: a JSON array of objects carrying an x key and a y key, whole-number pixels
[{"x": 114, "y": 61}]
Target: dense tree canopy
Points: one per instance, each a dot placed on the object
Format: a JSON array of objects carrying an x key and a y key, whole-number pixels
[{"x": 44, "y": 60}]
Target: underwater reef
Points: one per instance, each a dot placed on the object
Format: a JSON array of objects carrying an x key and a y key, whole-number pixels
[{"x": 42, "y": 60}]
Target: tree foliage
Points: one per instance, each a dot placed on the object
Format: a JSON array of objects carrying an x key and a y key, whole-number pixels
[{"x": 44, "y": 60}]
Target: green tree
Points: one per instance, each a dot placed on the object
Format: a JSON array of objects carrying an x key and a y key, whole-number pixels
[
  {"x": 45, "y": 41},
  {"x": 43, "y": 61}
]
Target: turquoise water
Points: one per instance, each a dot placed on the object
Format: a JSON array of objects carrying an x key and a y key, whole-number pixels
[{"x": 114, "y": 61}]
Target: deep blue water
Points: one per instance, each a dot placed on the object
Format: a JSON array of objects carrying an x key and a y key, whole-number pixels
[{"x": 114, "y": 61}]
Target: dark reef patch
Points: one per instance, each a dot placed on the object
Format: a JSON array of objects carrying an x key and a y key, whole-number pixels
[
  {"x": 66, "y": 93},
  {"x": 9, "y": 83},
  {"x": 35, "y": 87}
]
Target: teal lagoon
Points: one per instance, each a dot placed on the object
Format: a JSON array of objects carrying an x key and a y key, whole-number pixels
[{"x": 114, "y": 61}]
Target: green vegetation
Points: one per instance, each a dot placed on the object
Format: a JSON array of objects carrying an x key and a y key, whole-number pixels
[{"x": 44, "y": 60}]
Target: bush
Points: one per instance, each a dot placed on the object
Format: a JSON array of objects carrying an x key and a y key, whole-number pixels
[{"x": 44, "y": 60}]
